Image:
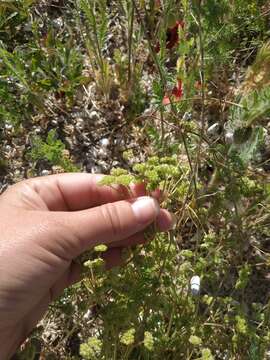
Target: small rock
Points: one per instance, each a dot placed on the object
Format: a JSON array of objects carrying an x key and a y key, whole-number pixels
[
  {"x": 58, "y": 23},
  {"x": 187, "y": 116},
  {"x": 8, "y": 127},
  {"x": 37, "y": 130},
  {"x": 80, "y": 124},
  {"x": 104, "y": 166},
  {"x": 96, "y": 170},
  {"x": 45, "y": 173},
  {"x": 229, "y": 137},
  {"x": 7, "y": 148},
  {"x": 104, "y": 143},
  {"x": 213, "y": 129},
  {"x": 88, "y": 315},
  {"x": 195, "y": 284},
  {"x": 94, "y": 115},
  {"x": 116, "y": 163}
]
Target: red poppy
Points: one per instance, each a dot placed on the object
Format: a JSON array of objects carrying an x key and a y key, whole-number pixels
[
  {"x": 178, "y": 89},
  {"x": 172, "y": 37},
  {"x": 176, "y": 93}
]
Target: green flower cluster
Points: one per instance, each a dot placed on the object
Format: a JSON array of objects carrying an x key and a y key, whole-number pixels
[
  {"x": 154, "y": 172},
  {"x": 157, "y": 170},
  {"x": 128, "y": 337},
  {"x": 92, "y": 349},
  {"x": 118, "y": 176},
  {"x": 148, "y": 341}
]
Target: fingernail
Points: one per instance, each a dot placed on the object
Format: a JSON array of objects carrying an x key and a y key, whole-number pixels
[{"x": 146, "y": 209}]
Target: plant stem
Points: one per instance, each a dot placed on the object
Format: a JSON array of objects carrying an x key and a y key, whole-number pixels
[{"x": 130, "y": 43}]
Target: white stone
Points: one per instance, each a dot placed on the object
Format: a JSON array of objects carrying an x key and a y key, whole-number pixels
[
  {"x": 8, "y": 126},
  {"x": 96, "y": 170},
  {"x": 80, "y": 123},
  {"x": 195, "y": 284},
  {"x": 104, "y": 142},
  {"x": 45, "y": 172},
  {"x": 229, "y": 137},
  {"x": 94, "y": 115},
  {"x": 213, "y": 129}
]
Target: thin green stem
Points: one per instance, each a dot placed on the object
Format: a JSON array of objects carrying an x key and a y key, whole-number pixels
[{"x": 130, "y": 42}]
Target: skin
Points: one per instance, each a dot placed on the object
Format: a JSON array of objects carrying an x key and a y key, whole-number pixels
[{"x": 45, "y": 224}]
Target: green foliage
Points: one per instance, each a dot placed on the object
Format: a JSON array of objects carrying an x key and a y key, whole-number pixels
[
  {"x": 244, "y": 275},
  {"x": 28, "y": 76},
  {"x": 53, "y": 150},
  {"x": 148, "y": 341},
  {"x": 96, "y": 16},
  {"x": 128, "y": 337},
  {"x": 247, "y": 116},
  {"x": 251, "y": 108},
  {"x": 91, "y": 350},
  {"x": 207, "y": 355},
  {"x": 218, "y": 192},
  {"x": 195, "y": 340}
]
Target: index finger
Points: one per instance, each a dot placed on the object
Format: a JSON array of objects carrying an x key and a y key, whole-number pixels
[{"x": 75, "y": 191}]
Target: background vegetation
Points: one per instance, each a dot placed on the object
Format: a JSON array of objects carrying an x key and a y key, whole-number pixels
[{"x": 174, "y": 93}]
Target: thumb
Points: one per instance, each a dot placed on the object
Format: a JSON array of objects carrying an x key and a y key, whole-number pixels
[{"x": 104, "y": 224}]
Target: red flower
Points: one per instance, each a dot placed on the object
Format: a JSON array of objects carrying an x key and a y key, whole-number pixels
[
  {"x": 178, "y": 89},
  {"x": 176, "y": 93},
  {"x": 172, "y": 37}
]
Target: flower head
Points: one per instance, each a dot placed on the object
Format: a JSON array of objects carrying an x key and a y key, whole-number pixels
[
  {"x": 172, "y": 36},
  {"x": 176, "y": 93}
]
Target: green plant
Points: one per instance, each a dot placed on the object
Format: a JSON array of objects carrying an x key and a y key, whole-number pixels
[
  {"x": 97, "y": 27},
  {"x": 185, "y": 62},
  {"x": 53, "y": 150}
]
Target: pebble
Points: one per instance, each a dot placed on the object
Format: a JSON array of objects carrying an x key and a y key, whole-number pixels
[
  {"x": 229, "y": 137},
  {"x": 45, "y": 173},
  {"x": 195, "y": 284},
  {"x": 213, "y": 129},
  {"x": 104, "y": 143},
  {"x": 80, "y": 124},
  {"x": 37, "y": 130},
  {"x": 94, "y": 115},
  {"x": 96, "y": 170},
  {"x": 7, "y": 148},
  {"x": 187, "y": 116},
  {"x": 58, "y": 23},
  {"x": 8, "y": 127},
  {"x": 88, "y": 315}
]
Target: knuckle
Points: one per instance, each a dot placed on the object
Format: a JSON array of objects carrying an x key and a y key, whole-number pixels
[
  {"x": 66, "y": 241},
  {"x": 112, "y": 218}
]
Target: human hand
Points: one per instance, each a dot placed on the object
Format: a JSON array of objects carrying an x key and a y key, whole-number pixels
[{"x": 45, "y": 224}]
